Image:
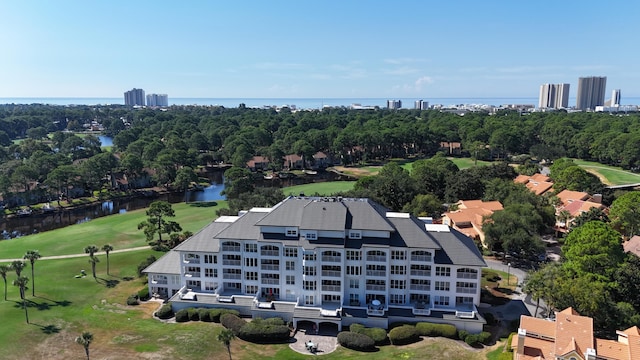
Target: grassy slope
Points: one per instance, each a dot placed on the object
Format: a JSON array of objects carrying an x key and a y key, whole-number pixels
[
  {"x": 120, "y": 230},
  {"x": 323, "y": 188},
  {"x": 613, "y": 175}
]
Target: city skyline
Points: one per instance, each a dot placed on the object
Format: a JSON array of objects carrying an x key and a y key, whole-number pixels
[{"x": 287, "y": 49}]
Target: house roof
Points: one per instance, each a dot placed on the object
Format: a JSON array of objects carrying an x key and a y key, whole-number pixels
[
  {"x": 539, "y": 188},
  {"x": 522, "y": 179},
  {"x": 169, "y": 263},
  {"x": 611, "y": 349},
  {"x": 572, "y": 326},
  {"x": 568, "y": 196},
  {"x": 540, "y": 177},
  {"x": 456, "y": 249},
  {"x": 577, "y": 207},
  {"x": 204, "y": 240},
  {"x": 257, "y": 159},
  {"x": 319, "y": 155},
  {"x": 479, "y": 204},
  {"x": 632, "y": 245}
]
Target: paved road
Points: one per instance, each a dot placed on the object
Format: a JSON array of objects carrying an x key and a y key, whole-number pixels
[{"x": 81, "y": 255}]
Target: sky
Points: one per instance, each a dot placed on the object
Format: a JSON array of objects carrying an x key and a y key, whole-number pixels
[{"x": 315, "y": 49}]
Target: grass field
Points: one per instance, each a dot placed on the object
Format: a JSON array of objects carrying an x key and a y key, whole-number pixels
[
  {"x": 322, "y": 188},
  {"x": 609, "y": 175},
  {"x": 120, "y": 230}
]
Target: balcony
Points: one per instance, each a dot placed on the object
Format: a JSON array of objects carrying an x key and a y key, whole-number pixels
[
  {"x": 466, "y": 290},
  {"x": 331, "y": 259},
  {"x": 419, "y": 287},
  {"x": 270, "y": 281},
  {"x": 192, "y": 274},
  {"x": 420, "y": 273},
  {"x": 269, "y": 253},
  {"x": 227, "y": 248},
  {"x": 331, "y": 273},
  {"x": 159, "y": 281},
  {"x": 421, "y": 258},
  {"x": 378, "y": 273},
  {"x": 334, "y": 288},
  {"x": 191, "y": 261},
  {"x": 375, "y": 308},
  {"x": 376, "y": 287},
  {"x": 467, "y": 276},
  {"x": 232, "y": 276},
  {"x": 421, "y": 308},
  {"x": 231, "y": 262},
  {"x": 376, "y": 258},
  {"x": 270, "y": 267}
]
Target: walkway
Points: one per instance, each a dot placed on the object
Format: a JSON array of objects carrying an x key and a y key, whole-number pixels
[
  {"x": 326, "y": 339},
  {"x": 56, "y": 257}
]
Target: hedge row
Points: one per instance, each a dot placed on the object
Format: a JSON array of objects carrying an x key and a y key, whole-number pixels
[
  {"x": 402, "y": 335},
  {"x": 356, "y": 341},
  {"x": 200, "y": 314},
  {"x": 473, "y": 339},
  {"x": 232, "y": 322},
  {"x": 378, "y": 335},
  {"x": 165, "y": 312},
  {"x": 431, "y": 329},
  {"x": 272, "y": 330}
]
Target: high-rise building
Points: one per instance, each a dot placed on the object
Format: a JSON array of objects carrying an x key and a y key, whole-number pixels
[
  {"x": 421, "y": 105},
  {"x": 591, "y": 92},
  {"x": 554, "y": 96},
  {"x": 615, "y": 97},
  {"x": 394, "y": 104},
  {"x": 134, "y": 97},
  {"x": 157, "y": 100}
]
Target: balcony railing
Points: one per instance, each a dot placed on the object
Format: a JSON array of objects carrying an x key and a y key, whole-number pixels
[
  {"x": 232, "y": 262},
  {"x": 331, "y": 259},
  {"x": 331, "y": 273},
  {"x": 191, "y": 261},
  {"x": 192, "y": 274},
  {"x": 232, "y": 276},
  {"x": 231, "y": 248},
  {"x": 335, "y": 288},
  {"x": 425, "y": 258},
  {"x": 269, "y": 252},
  {"x": 159, "y": 281},
  {"x": 375, "y": 311},
  {"x": 379, "y": 273},
  {"x": 466, "y": 290},
  {"x": 376, "y": 287},
  {"x": 419, "y": 287},
  {"x": 467, "y": 276},
  {"x": 270, "y": 267},
  {"x": 270, "y": 281},
  {"x": 376, "y": 258},
  {"x": 420, "y": 273}
]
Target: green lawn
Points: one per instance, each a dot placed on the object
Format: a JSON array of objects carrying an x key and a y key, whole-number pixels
[
  {"x": 465, "y": 163},
  {"x": 322, "y": 188},
  {"x": 610, "y": 175},
  {"x": 120, "y": 230}
]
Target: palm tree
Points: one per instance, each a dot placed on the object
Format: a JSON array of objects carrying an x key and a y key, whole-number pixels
[
  {"x": 4, "y": 269},
  {"x": 18, "y": 266},
  {"x": 107, "y": 248},
  {"x": 85, "y": 340},
  {"x": 225, "y": 336},
  {"x": 93, "y": 261},
  {"x": 21, "y": 282},
  {"x": 91, "y": 249},
  {"x": 32, "y": 256}
]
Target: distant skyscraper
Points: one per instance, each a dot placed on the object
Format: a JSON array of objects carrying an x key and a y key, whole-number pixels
[
  {"x": 554, "y": 96},
  {"x": 394, "y": 104},
  {"x": 134, "y": 97},
  {"x": 615, "y": 97},
  {"x": 421, "y": 105},
  {"x": 157, "y": 100},
  {"x": 591, "y": 92}
]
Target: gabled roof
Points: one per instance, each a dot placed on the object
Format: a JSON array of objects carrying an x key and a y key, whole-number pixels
[
  {"x": 456, "y": 249},
  {"x": 479, "y": 204},
  {"x": 204, "y": 240},
  {"x": 572, "y": 326},
  {"x": 243, "y": 228},
  {"x": 322, "y": 215},
  {"x": 169, "y": 264},
  {"x": 577, "y": 207},
  {"x": 411, "y": 232},
  {"x": 539, "y": 187},
  {"x": 568, "y": 196}
]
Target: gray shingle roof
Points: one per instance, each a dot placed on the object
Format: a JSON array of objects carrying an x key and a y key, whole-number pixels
[
  {"x": 410, "y": 232},
  {"x": 288, "y": 213},
  {"x": 204, "y": 240},
  {"x": 243, "y": 228},
  {"x": 457, "y": 249},
  {"x": 323, "y": 215},
  {"x": 169, "y": 263},
  {"x": 367, "y": 215}
]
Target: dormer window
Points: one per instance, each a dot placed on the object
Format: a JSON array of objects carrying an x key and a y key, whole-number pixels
[
  {"x": 355, "y": 234},
  {"x": 311, "y": 235},
  {"x": 291, "y": 232}
]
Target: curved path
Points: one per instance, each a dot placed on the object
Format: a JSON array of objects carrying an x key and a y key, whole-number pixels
[{"x": 56, "y": 257}]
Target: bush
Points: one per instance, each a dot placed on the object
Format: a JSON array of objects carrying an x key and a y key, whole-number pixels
[
  {"x": 232, "y": 322},
  {"x": 264, "y": 332},
  {"x": 485, "y": 337},
  {"x": 462, "y": 334},
  {"x": 193, "y": 314},
  {"x": 165, "y": 312},
  {"x": 378, "y": 335},
  {"x": 431, "y": 329},
  {"x": 204, "y": 314},
  {"x": 132, "y": 300},
  {"x": 471, "y": 339},
  {"x": 355, "y": 341},
  {"x": 182, "y": 315},
  {"x": 274, "y": 321},
  {"x": 215, "y": 314},
  {"x": 143, "y": 265},
  {"x": 143, "y": 294},
  {"x": 405, "y": 334}
]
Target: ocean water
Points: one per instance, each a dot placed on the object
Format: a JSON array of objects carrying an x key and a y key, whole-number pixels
[{"x": 300, "y": 103}]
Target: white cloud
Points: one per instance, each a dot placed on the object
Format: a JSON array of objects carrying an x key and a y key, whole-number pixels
[
  {"x": 403, "y": 70},
  {"x": 425, "y": 80}
]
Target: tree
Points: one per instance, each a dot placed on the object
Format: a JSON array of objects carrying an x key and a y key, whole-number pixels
[
  {"x": 225, "y": 336},
  {"x": 91, "y": 250},
  {"x": 156, "y": 222},
  {"x": 393, "y": 186},
  {"x": 515, "y": 229},
  {"x": 4, "y": 269},
  {"x": 107, "y": 249},
  {"x": 593, "y": 248},
  {"x": 184, "y": 177},
  {"x": 32, "y": 256},
  {"x": 625, "y": 214},
  {"x": 425, "y": 205},
  {"x": 431, "y": 174},
  {"x": 237, "y": 181},
  {"x": 18, "y": 266},
  {"x": 594, "y": 214},
  {"x": 93, "y": 260},
  {"x": 21, "y": 282},
  {"x": 85, "y": 340}
]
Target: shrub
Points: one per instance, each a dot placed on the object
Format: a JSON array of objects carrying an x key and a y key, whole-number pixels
[
  {"x": 484, "y": 337},
  {"x": 264, "y": 332},
  {"x": 231, "y": 322},
  {"x": 378, "y": 335},
  {"x": 132, "y": 300},
  {"x": 165, "y": 312},
  {"x": 471, "y": 339},
  {"x": 462, "y": 334},
  {"x": 274, "y": 321},
  {"x": 204, "y": 314},
  {"x": 215, "y": 314},
  {"x": 193, "y": 314},
  {"x": 405, "y": 334},
  {"x": 182, "y": 315},
  {"x": 431, "y": 329},
  {"x": 355, "y": 341},
  {"x": 143, "y": 294}
]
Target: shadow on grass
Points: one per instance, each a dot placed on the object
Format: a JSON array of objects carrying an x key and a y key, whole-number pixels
[
  {"x": 42, "y": 305},
  {"x": 49, "y": 329},
  {"x": 128, "y": 278},
  {"x": 63, "y": 303},
  {"x": 203, "y": 204},
  {"x": 110, "y": 283},
  {"x": 505, "y": 291}
]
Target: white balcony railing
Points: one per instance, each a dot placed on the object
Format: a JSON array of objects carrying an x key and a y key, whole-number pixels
[
  {"x": 420, "y": 273},
  {"x": 269, "y": 252},
  {"x": 331, "y": 259},
  {"x": 376, "y": 287},
  {"x": 424, "y": 258},
  {"x": 376, "y": 258},
  {"x": 231, "y": 262},
  {"x": 335, "y": 288},
  {"x": 270, "y": 267},
  {"x": 466, "y": 290},
  {"x": 270, "y": 281},
  {"x": 419, "y": 287},
  {"x": 230, "y": 248},
  {"x": 378, "y": 273},
  {"x": 232, "y": 276},
  {"x": 467, "y": 276},
  {"x": 331, "y": 273},
  {"x": 192, "y": 274}
]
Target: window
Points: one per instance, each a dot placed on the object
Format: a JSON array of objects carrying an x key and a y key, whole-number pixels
[
  {"x": 464, "y": 300},
  {"x": 269, "y": 250},
  {"x": 355, "y": 234},
  {"x": 443, "y": 271},
  {"x": 398, "y": 284},
  {"x": 215, "y": 272},
  {"x": 251, "y": 289},
  {"x": 270, "y": 279},
  {"x": 331, "y": 285},
  {"x": 231, "y": 246},
  {"x": 397, "y": 298},
  {"x": 291, "y": 280},
  {"x": 251, "y": 262},
  {"x": 269, "y": 264},
  {"x": 209, "y": 286},
  {"x": 232, "y": 274},
  {"x": 441, "y": 300},
  {"x": 310, "y": 256},
  {"x": 290, "y": 252},
  {"x": 442, "y": 286},
  {"x": 466, "y": 273},
  {"x": 208, "y": 259},
  {"x": 290, "y": 265},
  {"x": 377, "y": 270},
  {"x": 354, "y": 283},
  {"x": 376, "y": 285},
  {"x": 398, "y": 255},
  {"x": 353, "y": 298},
  {"x": 354, "y": 255},
  {"x": 398, "y": 269},
  {"x": 309, "y": 285},
  {"x": 332, "y": 298},
  {"x": 311, "y": 235},
  {"x": 252, "y": 248},
  {"x": 466, "y": 287},
  {"x": 420, "y": 270},
  {"x": 420, "y": 255},
  {"x": 423, "y": 298},
  {"x": 251, "y": 275},
  {"x": 420, "y": 284},
  {"x": 331, "y": 256},
  {"x": 308, "y": 300},
  {"x": 310, "y": 270},
  {"x": 354, "y": 270},
  {"x": 291, "y": 232},
  {"x": 376, "y": 255},
  {"x": 208, "y": 272}
]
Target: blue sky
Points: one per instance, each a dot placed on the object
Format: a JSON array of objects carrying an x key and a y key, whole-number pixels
[{"x": 308, "y": 49}]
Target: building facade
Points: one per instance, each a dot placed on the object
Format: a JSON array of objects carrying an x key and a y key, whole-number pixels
[
  {"x": 334, "y": 261},
  {"x": 616, "y": 96},
  {"x": 394, "y": 104},
  {"x": 554, "y": 96},
  {"x": 134, "y": 97},
  {"x": 421, "y": 105},
  {"x": 591, "y": 92},
  {"x": 161, "y": 100}
]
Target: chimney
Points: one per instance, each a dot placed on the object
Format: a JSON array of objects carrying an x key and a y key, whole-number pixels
[
  {"x": 591, "y": 354},
  {"x": 522, "y": 333},
  {"x": 597, "y": 198}
]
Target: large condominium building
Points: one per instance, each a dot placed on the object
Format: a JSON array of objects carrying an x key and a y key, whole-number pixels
[
  {"x": 134, "y": 97},
  {"x": 591, "y": 92},
  {"x": 329, "y": 261},
  {"x": 421, "y": 105},
  {"x": 394, "y": 104},
  {"x": 616, "y": 96},
  {"x": 157, "y": 100},
  {"x": 554, "y": 96}
]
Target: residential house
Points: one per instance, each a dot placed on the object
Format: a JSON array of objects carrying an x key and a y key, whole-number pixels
[
  {"x": 572, "y": 204},
  {"x": 451, "y": 148},
  {"x": 537, "y": 183},
  {"x": 258, "y": 163},
  {"x": 570, "y": 336},
  {"x": 331, "y": 262},
  {"x": 469, "y": 217},
  {"x": 293, "y": 161},
  {"x": 321, "y": 160},
  {"x": 632, "y": 245}
]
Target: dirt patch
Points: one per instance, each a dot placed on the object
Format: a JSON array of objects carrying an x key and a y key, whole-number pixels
[{"x": 595, "y": 172}]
